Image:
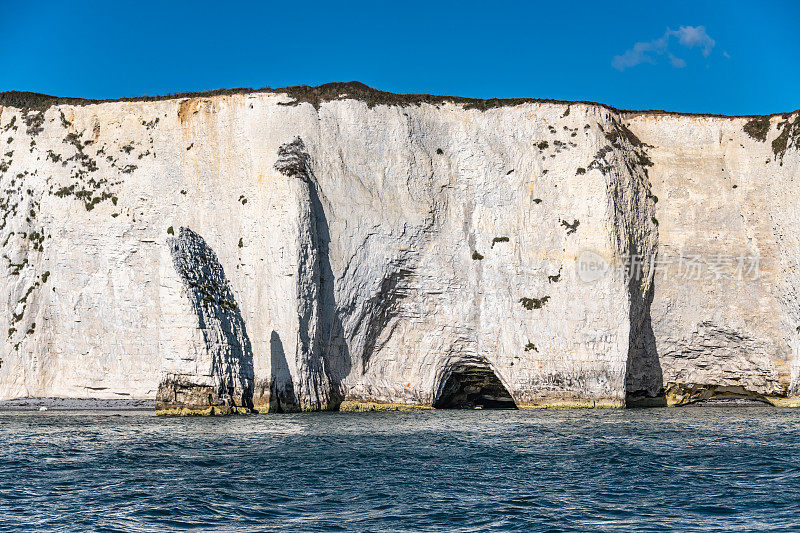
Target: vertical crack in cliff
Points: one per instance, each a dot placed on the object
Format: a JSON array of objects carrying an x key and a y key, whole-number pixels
[
  {"x": 317, "y": 315},
  {"x": 230, "y": 384},
  {"x": 353, "y": 330},
  {"x": 625, "y": 163}
]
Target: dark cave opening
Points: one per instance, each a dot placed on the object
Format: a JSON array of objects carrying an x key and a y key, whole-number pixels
[
  {"x": 473, "y": 387},
  {"x": 683, "y": 394}
]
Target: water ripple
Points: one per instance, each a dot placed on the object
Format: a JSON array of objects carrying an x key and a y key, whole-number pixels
[{"x": 709, "y": 468}]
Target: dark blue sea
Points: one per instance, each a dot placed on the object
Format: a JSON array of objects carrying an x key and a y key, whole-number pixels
[{"x": 682, "y": 469}]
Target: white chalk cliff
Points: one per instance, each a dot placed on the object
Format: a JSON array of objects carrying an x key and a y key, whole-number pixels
[{"x": 311, "y": 248}]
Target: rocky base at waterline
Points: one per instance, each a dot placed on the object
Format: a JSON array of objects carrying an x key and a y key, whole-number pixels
[
  {"x": 75, "y": 404},
  {"x": 181, "y": 397},
  {"x": 322, "y": 248}
]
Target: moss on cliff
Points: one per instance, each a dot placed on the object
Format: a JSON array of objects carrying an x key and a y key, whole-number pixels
[
  {"x": 316, "y": 95},
  {"x": 499, "y": 239},
  {"x": 533, "y": 303},
  {"x": 788, "y": 138},
  {"x": 757, "y": 128}
]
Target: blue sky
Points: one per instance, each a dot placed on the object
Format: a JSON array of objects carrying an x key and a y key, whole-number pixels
[{"x": 718, "y": 57}]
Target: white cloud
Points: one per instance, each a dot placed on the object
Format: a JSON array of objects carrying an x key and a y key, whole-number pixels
[
  {"x": 692, "y": 36},
  {"x": 647, "y": 52},
  {"x": 677, "y": 62}
]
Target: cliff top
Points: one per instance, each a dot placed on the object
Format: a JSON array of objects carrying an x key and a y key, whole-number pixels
[{"x": 334, "y": 91}]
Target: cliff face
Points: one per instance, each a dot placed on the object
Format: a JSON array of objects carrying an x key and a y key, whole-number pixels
[
  {"x": 261, "y": 250},
  {"x": 725, "y": 312}
]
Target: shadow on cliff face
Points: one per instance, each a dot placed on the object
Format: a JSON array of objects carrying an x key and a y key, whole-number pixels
[
  {"x": 644, "y": 379},
  {"x": 329, "y": 355},
  {"x": 335, "y": 349},
  {"x": 282, "y": 398},
  {"x": 223, "y": 329},
  {"x": 636, "y": 231}
]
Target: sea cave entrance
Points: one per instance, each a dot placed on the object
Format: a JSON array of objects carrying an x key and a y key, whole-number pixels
[{"x": 473, "y": 386}]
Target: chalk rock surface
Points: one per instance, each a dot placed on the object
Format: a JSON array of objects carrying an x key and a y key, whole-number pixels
[{"x": 317, "y": 248}]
